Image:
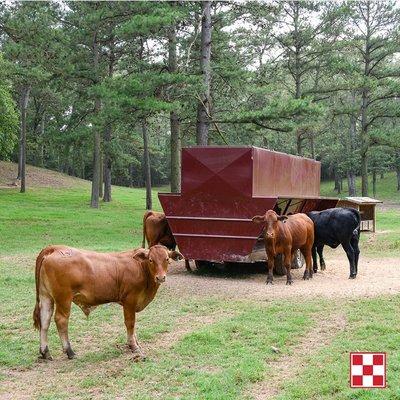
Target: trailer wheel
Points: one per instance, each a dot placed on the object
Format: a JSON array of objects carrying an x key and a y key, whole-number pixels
[{"x": 298, "y": 262}]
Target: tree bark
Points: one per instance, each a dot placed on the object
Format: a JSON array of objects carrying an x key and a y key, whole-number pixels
[
  {"x": 94, "y": 202},
  {"x": 108, "y": 134},
  {"x": 101, "y": 176},
  {"x": 41, "y": 144},
  {"x": 398, "y": 177},
  {"x": 351, "y": 183},
  {"x": 364, "y": 139},
  {"x": 351, "y": 177},
  {"x": 107, "y": 164},
  {"x": 22, "y": 146},
  {"x": 203, "y": 108},
  {"x": 374, "y": 182},
  {"x": 174, "y": 119},
  {"x": 146, "y": 163}
]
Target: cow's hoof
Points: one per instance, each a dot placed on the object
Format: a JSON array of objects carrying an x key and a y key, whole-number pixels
[
  {"x": 323, "y": 267},
  {"x": 289, "y": 282},
  {"x": 315, "y": 271},
  {"x": 306, "y": 277},
  {"x": 70, "y": 353},
  {"x": 138, "y": 356},
  {"x": 268, "y": 281},
  {"x": 352, "y": 276},
  {"x": 45, "y": 355}
]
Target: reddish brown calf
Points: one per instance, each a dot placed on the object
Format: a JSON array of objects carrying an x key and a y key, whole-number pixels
[{"x": 284, "y": 235}]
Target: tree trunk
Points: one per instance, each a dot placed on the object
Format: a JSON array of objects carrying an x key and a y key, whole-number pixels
[
  {"x": 101, "y": 176},
  {"x": 108, "y": 133},
  {"x": 398, "y": 177},
  {"x": 107, "y": 164},
  {"x": 351, "y": 183},
  {"x": 22, "y": 146},
  {"x": 312, "y": 145},
  {"x": 351, "y": 177},
  {"x": 374, "y": 182},
  {"x": 146, "y": 162},
  {"x": 364, "y": 139},
  {"x": 382, "y": 175},
  {"x": 41, "y": 140},
  {"x": 94, "y": 202},
  {"x": 174, "y": 120},
  {"x": 203, "y": 108}
]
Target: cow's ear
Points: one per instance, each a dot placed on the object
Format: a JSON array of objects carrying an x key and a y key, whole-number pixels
[
  {"x": 282, "y": 218},
  {"x": 258, "y": 219},
  {"x": 142, "y": 254},
  {"x": 175, "y": 255}
]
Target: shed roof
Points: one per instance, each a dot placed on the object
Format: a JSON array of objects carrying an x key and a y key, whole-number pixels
[{"x": 363, "y": 200}]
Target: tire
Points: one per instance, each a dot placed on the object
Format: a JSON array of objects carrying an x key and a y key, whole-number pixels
[{"x": 298, "y": 260}]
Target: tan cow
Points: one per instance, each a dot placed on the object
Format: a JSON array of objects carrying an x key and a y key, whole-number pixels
[
  {"x": 157, "y": 231},
  {"x": 65, "y": 275},
  {"x": 285, "y": 234}
]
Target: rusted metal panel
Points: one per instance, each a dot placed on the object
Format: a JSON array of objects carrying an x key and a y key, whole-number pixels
[
  {"x": 279, "y": 174},
  {"x": 205, "y": 226},
  {"x": 226, "y": 170}
]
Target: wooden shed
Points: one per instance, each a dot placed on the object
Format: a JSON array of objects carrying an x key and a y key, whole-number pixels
[{"x": 366, "y": 206}]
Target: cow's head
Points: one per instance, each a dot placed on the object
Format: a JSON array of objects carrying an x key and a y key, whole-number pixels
[
  {"x": 270, "y": 220},
  {"x": 157, "y": 259}
]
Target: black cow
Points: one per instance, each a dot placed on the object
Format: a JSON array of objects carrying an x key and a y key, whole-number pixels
[{"x": 336, "y": 226}]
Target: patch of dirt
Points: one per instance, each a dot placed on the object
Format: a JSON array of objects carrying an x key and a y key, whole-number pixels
[
  {"x": 375, "y": 277},
  {"x": 36, "y": 177},
  {"x": 61, "y": 372},
  {"x": 292, "y": 365}
]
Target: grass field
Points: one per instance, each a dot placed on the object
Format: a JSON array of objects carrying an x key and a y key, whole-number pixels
[{"x": 198, "y": 346}]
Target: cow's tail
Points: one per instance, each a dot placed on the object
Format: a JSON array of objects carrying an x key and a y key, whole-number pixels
[
  {"x": 39, "y": 260},
  {"x": 357, "y": 230},
  {"x": 145, "y": 216}
]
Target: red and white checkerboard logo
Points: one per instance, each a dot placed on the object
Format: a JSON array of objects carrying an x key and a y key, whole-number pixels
[{"x": 368, "y": 370}]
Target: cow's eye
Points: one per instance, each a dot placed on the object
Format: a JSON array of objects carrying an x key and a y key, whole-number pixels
[{"x": 150, "y": 260}]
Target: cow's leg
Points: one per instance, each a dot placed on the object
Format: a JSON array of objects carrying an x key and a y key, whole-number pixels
[
  {"x": 187, "y": 265},
  {"x": 320, "y": 250},
  {"x": 270, "y": 266},
  {"x": 354, "y": 245},
  {"x": 63, "y": 310},
  {"x": 46, "y": 312},
  {"x": 307, "y": 253},
  {"x": 288, "y": 257},
  {"x": 351, "y": 257},
  {"x": 314, "y": 258},
  {"x": 129, "y": 317}
]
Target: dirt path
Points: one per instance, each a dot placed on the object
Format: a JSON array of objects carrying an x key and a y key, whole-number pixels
[
  {"x": 292, "y": 365},
  {"x": 375, "y": 277}
]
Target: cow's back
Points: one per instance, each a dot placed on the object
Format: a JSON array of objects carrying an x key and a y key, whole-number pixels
[
  {"x": 301, "y": 229},
  {"x": 94, "y": 278},
  {"x": 334, "y": 225}
]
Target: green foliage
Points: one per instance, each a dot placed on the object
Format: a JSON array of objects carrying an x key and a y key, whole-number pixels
[{"x": 8, "y": 120}]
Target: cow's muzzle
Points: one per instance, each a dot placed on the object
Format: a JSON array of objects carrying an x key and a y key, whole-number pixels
[{"x": 160, "y": 279}]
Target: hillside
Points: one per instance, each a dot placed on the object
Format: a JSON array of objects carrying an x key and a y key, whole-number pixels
[{"x": 37, "y": 177}]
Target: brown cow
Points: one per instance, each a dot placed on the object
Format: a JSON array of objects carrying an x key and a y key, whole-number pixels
[
  {"x": 65, "y": 275},
  {"x": 284, "y": 235},
  {"x": 157, "y": 231}
]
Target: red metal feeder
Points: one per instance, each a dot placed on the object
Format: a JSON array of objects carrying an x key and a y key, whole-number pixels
[{"x": 224, "y": 187}]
